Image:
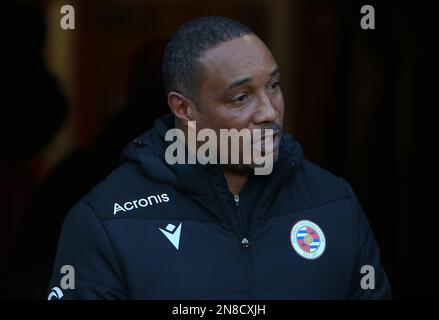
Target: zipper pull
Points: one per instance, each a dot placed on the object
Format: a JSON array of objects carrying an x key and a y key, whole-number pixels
[
  {"x": 236, "y": 196},
  {"x": 245, "y": 243}
]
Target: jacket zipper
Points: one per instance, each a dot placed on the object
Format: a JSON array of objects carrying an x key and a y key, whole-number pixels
[{"x": 245, "y": 243}]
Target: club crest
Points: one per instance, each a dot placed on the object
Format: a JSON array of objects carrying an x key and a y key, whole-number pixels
[{"x": 307, "y": 239}]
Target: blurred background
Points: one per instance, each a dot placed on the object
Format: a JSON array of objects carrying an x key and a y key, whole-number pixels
[{"x": 359, "y": 101}]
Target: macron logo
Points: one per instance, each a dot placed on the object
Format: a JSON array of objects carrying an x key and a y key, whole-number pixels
[
  {"x": 173, "y": 234},
  {"x": 144, "y": 202},
  {"x": 55, "y": 293}
]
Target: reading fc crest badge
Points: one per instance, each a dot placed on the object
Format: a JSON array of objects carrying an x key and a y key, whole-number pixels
[{"x": 308, "y": 239}]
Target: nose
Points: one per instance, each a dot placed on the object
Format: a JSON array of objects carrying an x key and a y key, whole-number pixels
[{"x": 266, "y": 112}]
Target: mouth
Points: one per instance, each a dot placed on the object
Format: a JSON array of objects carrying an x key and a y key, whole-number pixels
[{"x": 276, "y": 141}]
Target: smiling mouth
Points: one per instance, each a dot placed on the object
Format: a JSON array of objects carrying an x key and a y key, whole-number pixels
[
  {"x": 275, "y": 142},
  {"x": 276, "y": 132}
]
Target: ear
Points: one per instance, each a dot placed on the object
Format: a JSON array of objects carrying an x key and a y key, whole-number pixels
[{"x": 181, "y": 107}]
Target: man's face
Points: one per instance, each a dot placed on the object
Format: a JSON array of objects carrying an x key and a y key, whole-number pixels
[{"x": 240, "y": 88}]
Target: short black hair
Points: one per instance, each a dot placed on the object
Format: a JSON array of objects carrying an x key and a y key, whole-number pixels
[{"x": 182, "y": 68}]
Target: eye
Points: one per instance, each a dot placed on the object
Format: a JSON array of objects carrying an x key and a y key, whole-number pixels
[
  {"x": 240, "y": 98},
  {"x": 274, "y": 84}
]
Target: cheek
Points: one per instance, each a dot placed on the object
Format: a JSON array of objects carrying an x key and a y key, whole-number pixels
[
  {"x": 242, "y": 117},
  {"x": 216, "y": 118},
  {"x": 200, "y": 120},
  {"x": 207, "y": 115},
  {"x": 278, "y": 102},
  {"x": 226, "y": 117}
]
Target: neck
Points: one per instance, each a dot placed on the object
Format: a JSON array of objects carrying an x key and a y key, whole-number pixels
[{"x": 235, "y": 179}]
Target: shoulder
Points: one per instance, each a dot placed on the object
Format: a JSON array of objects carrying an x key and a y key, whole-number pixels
[
  {"x": 321, "y": 180},
  {"x": 320, "y": 185},
  {"x": 125, "y": 190}
]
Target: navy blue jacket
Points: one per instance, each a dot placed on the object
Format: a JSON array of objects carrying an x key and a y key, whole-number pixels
[{"x": 155, "y": 231}]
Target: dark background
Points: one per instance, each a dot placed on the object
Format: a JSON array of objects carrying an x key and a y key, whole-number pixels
[{"x": 359, "y": 101}]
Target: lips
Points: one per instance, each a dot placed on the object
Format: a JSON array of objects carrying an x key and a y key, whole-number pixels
[
  {"x": 276, "y": 141},
  {"x": 275, "y": 133}
]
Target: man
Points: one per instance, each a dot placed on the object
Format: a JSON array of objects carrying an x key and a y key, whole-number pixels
[{"x": 154, "y": 230}]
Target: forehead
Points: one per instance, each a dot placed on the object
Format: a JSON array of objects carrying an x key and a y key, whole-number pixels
[{"x": 235, "y": 59}]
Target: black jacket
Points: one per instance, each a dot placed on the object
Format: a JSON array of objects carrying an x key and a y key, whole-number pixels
[{"x": 155, "y": 231}]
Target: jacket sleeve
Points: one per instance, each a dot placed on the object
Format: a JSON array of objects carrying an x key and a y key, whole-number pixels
[
  {"x": 369, "y": 280},
  {"x": 86, "y": 266}
]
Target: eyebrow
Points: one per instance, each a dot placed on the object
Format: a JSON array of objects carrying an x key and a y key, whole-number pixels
[
  {"x": 275, "y": 72},
  {"x": 237, "y": 83}
]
